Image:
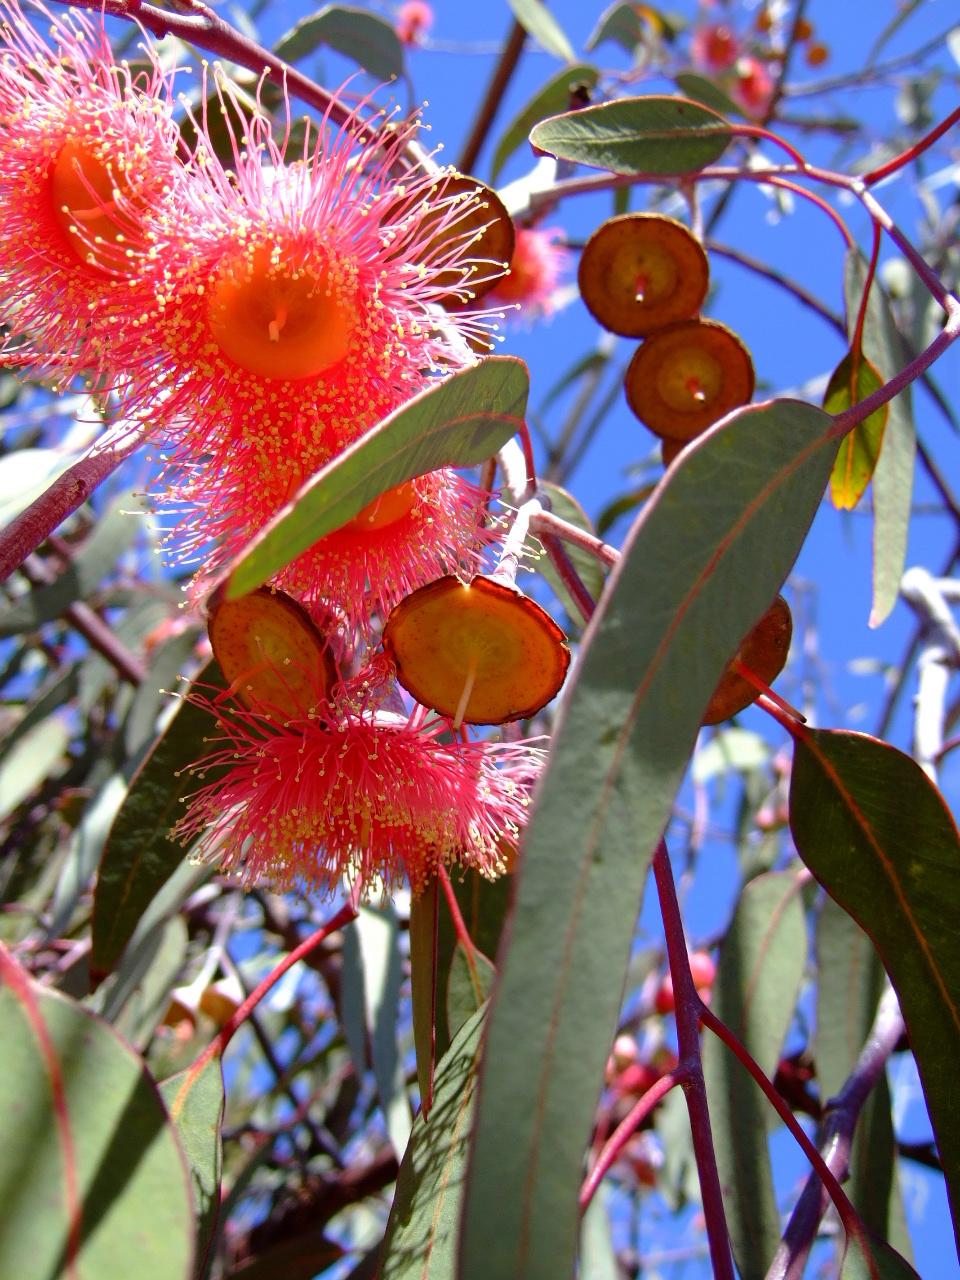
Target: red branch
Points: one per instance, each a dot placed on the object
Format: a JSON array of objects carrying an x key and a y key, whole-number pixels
[
  {"x": 68, "y": 492},
  {"x": 848, "y": 1215},
  {"x": 689, "y": 1010},
  {"x": 203, "y": 27},
  {"x": 219, "y": 1043}
]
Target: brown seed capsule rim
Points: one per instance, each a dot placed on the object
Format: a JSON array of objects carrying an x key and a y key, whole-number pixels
[
  {"x": 610, "y": 296},
  {"x": 488, "y": 216},
  {"x": 233, "y": 640},
  {"x": 764, "y": 650},
  {"x": 645, "y": 373},
  {"x": 416, "y": 631}
]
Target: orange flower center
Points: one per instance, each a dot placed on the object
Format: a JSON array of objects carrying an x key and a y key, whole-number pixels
[
  {"x": 385, "y": 510},
  {"x": 84, "y": 191},
  {"x": 280, "y": 321}
]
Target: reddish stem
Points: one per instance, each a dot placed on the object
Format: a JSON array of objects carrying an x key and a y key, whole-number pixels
[
  {"x": 568, "y": 574},
  {"x": 911, "y": 153},
  {"x": 849, "y": 1217},
  {"x": 843, "y": 423},
  {"x": 462, "y": 932},
  {"x": 626, "y": 1129},
  {"x": 68, "y": 492},
  {"x": 90, "y": 625},
  {"x": 755, "y": 131},
  {"x": 689, "y": 1009},
  {"x": 868, "y": 284},
  {"x": 751, "y": 677},
  {"x": 822, "y": 205},
  {"x": 216, "y": 1047},
  {"x": 560, "y": 528},
  {"x": 527, "y": 445}
]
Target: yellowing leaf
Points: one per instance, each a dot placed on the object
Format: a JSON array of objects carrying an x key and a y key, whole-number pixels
[{"x": 853, "y": 380}]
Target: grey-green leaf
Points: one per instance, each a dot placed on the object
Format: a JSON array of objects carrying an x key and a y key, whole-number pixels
[
  {"x": 702, "y": 563},
  {"x": 421, "y": 1237},
  {"x": 893, "y": 477},
  {"x": 876, "y": 833},
  {"x": 364, "y": 37},
  {"x": 139, "y": 856},
  {"x": 467, "y": 989},
  {"x": 198, "y": 1116},
  {"x": 537, "y": 20},
  {"x": 655, "y": 134},
  {"x": 86, "y": 1141}
]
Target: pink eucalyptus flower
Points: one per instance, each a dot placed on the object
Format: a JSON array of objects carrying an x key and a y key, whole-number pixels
[
  {"x": 753, "y": 87},
  {"x": 88, "y": 151},
  {"x": 714, "y": 47},
  {"x": 290, "y": 305},
  {"x": 414, "y": 533},
  {"x": 355, "y": 791},
  {"x": 414, "y": 20},
  {"x": 538, "y": 259},
  {"x": 292, "y": 301}
]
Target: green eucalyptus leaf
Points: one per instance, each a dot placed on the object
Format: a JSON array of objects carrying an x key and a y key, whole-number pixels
[
  {"x": 728, "y": 520},
  {"x": 467, "y": 987},
  {"x": 421, "y": 1236},
  {"x": 700, "y": 89},
  {"x": 36, "y": 755},
  {"x": 537, "y": 20},
  {"x": 893, "y": 476},
  {"x": 139, "y": 856},
  {"x": 877, "y": 835},
  {"x": 197, "y": 1114},
  {"x": 654, "y": 134},
  {"x": 91, "y": 1172},
  {"x": 358, "y": 34},
  {"x": 853, "y": 380},
  {"x": 423, "y": 992}
]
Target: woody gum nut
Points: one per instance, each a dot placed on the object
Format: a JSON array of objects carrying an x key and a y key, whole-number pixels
[
  {"x": 484, "y": 223},
  {"x": 764, "y": 651},
  {"x": 688, "y": 376},
  {"x": 642, "y": 271},
  {"x": 479, "y": 652},
  {"x": 268, "y": 647}
]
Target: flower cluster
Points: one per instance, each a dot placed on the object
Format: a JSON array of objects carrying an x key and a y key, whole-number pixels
[
  {"x": 348, "y": 788},
  {"x": 257, "y": 309}
]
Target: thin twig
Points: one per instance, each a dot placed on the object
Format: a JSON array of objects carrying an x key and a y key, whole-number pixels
[
  {"x": 486, "y": 113},
  {"x": 626, "y": 1129},
  {"x": 567, "y": 572},
  {"x": 688, "y": 1007},
  {"x": 836, "y": 1139},
  {"x": 68, "y": 492},
  {"x": 548, "y": 522},
  {"x": 89, "y": 624}
]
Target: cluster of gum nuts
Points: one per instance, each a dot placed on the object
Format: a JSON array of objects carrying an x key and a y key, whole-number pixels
[{"x": 645, "y": 275}]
